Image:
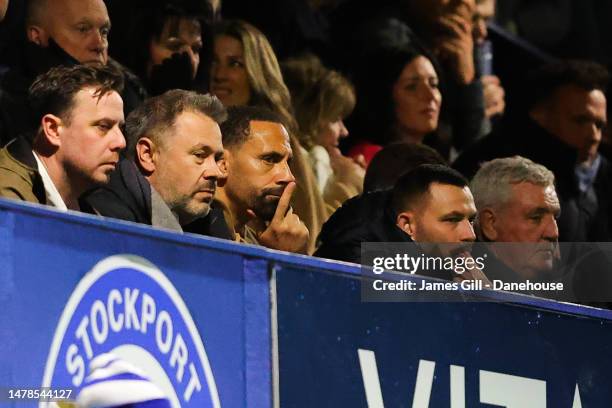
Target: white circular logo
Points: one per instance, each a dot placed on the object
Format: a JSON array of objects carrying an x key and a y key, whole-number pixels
[{"x": 126, "y": 306}]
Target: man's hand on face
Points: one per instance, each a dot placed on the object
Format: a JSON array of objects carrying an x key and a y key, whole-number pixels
[
  {"x": 173, "y": 73},
  {"x": 454, "y": 47},
  {"x": 285, "y": 231}
]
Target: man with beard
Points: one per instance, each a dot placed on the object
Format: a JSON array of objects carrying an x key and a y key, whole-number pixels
[
  {"x": 259, "y": 185},
  {"x": 431, "y": 205},
  {"x": 169, "y": 179},
  {"x": 435, "y": 207}
]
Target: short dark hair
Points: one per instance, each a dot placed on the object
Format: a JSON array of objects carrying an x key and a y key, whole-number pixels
[
  {"x": 412, "y": 185},
  {"x": 158, "y": 114},
  {"x": 237, "y": 128},
  {"x": 53, "y": 92},
  {"x": 396, "y": 159},
  {"x": 545, "y": 80}
]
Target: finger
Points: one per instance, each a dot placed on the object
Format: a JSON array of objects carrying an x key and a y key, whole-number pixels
[
  {"x": 489, "y": 80},
  {"x": 284, "y": 203},
  {"x": 361, "y": 161},
  {"x": 335, "y": 152},
  {"x": 494, "y": 98},
  {"x": 453, "y": 24},
  {"x": 452, "y": 48}
]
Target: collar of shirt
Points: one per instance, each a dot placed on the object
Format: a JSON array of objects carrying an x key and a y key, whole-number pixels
[
  {"x": 53, "y": 196},
  {"x": 586, "y": 174}
]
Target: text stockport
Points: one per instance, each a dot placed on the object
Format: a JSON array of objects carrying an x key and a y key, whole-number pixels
[{"x": 132, "y": 311}]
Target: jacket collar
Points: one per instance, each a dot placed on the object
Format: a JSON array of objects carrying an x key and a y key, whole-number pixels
[{"x": 21, "y": 150}]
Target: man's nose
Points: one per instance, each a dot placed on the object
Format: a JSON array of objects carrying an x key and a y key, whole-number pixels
[
  {"x": 285, "y": 176},
  {"x": 595, "y": 132},
  {"x": 466, "y": 232},
  {"x": 214, "y": 169},
  {"x": 99, "y": 42},
  {"x": 194, "y": 58},
  {"x": 118, "y": 140},
  {"x": 551, "y": 230}
]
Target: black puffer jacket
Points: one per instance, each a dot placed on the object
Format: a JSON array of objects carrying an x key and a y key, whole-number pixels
[{"x": 366, "y": 218}]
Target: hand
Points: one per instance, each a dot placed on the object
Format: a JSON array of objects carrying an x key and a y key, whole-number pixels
[
  {"x": 346, "y": 170},
  {"x": 285, "y": 232},
  {"x": 361, "y": 161},
  {"x": 175, "y": 72},
  {"x": 494, "y": 95},
  {"x": 455, "y": 46},
  {"x": 472, "y": 274}
]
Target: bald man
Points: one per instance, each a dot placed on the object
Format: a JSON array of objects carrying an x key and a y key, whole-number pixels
[
  {"x": 79, "y": 27},
  {"x": 59, "y": 32}
]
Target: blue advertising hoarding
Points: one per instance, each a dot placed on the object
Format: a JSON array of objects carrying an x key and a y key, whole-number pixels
[
  {"x": 186, "y": 310},
  {"x": 509, "y": 351}
]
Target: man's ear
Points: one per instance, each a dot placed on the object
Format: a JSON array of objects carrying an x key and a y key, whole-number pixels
[
  {"x": 38, "y": 35},
  {"x": 147, "y": 155},
  {"x": 487, "y": 222},
  {"x": 406, "y": 222},
  {"x": 224, "y": 167},
  {"x": 541, "y": 113},
  {"x": 51, "y": 130}
]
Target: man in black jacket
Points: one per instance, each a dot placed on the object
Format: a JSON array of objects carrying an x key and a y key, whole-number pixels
[
  {"x": 430, "y": 204},
  {"x": 562, "y": 131},
  {"x": 175, "y": 155}
]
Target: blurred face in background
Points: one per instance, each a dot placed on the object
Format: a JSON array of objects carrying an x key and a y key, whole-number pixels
[
  {"x": 577, "y": 117},
  {"x": 3, "y": 7},
  {"x": 229, "y": 80},
  {"x": 417, "y": 99},
  {"x": 484, "y": 12},
  {"x": 330, "y": 134},
  {"x": 429, "y": 12},
  {"x": 79, "y": 27},
  {"x": 179, "y": 36}
]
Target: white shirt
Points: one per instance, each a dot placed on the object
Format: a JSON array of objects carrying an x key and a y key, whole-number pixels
[{"x": 53, "y": 196}]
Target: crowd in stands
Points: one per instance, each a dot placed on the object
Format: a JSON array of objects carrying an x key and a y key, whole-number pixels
[
  {"x": 315, "y": 126},
  {"x": 309, "y": 126}
]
